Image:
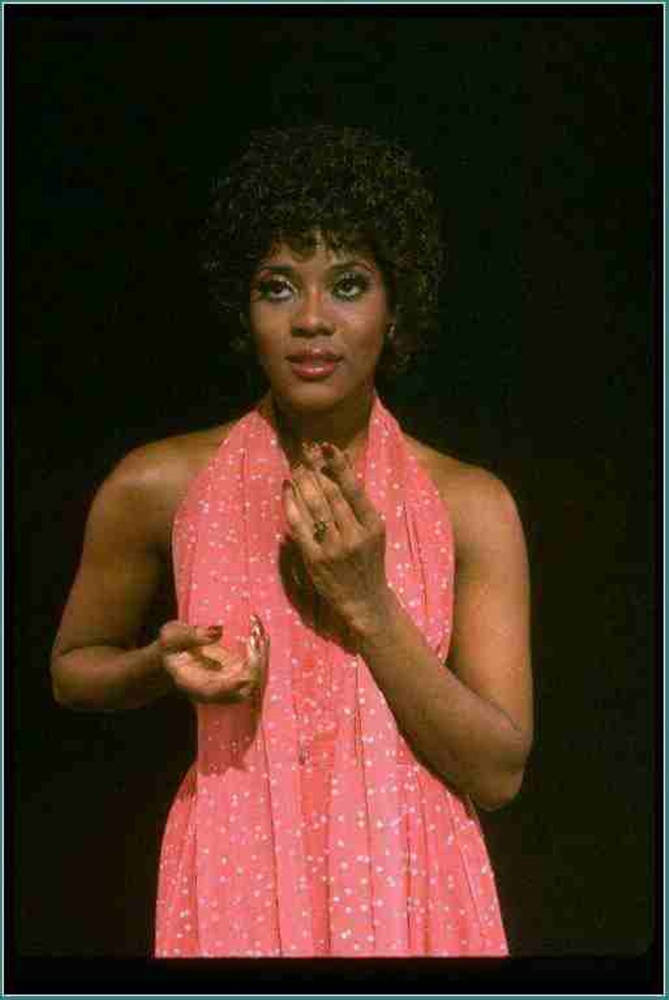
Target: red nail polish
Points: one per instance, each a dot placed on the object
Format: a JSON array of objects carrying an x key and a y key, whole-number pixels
[{"x": 327, "y": 449}]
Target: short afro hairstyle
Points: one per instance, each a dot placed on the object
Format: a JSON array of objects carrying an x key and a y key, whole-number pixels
[{"x": 351, "y": 187}]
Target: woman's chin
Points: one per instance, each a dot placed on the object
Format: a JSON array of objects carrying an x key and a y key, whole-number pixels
[
  {"x": 322, "y": 398},
  {"x": 314, "y": 394}
]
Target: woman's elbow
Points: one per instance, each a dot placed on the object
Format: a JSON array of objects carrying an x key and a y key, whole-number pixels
[
  {"x": 58, "y": 684},
  {"x": 62, "y": 692},
  {"x": 66, "y": 692},
  {"x": 500, "y": 786},
  {"x": 498, "y": 792},
  {"x": 58, "y": 692}
]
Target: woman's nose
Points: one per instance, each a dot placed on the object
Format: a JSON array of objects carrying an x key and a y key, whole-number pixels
[{"x": 311, "y": 315}]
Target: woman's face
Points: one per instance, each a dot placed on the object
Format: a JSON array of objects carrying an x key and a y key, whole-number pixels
[{"x": 318, "y": 322}]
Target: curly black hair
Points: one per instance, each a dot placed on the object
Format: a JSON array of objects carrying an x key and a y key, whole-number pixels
[{"x": 351, "y": 187}]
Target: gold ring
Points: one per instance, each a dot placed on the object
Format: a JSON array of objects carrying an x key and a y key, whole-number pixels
[{"x": 320, "y": 530}]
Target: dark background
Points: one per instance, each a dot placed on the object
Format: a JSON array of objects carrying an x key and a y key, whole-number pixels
[{"x": 540, "y": 130}]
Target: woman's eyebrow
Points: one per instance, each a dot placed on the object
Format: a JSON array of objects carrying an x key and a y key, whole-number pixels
[
  {"x": 276, "y": 268},
  {"x": 353, "y": 262},
  {"x": 344, "y": 265}
]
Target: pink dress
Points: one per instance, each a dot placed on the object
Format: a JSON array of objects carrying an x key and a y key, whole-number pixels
[{"x": 311, "y": 829}]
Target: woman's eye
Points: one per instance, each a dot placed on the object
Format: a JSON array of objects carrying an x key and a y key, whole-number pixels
[
  {"x": 274, "y": 289},
  {"x": 350, "y": 286}
]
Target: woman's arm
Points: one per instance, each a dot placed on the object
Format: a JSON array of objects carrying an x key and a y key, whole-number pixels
[
  {"x": 471, "y": 722},
  {"x": 95, "y": 661},
  {"x": 94, "y": 664}
]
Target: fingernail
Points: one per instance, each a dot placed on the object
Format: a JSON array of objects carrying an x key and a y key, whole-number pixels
[
  {"x": 327, "y": 449},
  {"x": 214, "y": 631}
]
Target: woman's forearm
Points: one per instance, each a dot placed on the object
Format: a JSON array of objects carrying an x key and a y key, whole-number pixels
[
  {"x": 464, "y": 739},
  {"x": 101, "y": 678}
]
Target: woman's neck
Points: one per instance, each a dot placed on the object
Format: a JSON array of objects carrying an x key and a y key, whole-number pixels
[{"x": 344, "y": 426}]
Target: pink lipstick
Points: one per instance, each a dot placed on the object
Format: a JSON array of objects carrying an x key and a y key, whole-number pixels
[{"x": 313, "y": 365}]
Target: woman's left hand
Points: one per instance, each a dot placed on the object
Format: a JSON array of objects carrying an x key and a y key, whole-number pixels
[{"x": 346, "y": 557}]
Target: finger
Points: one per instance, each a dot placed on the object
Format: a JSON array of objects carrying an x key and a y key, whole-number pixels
[
  {"x": 339, "y": 466},
  {"x": 193, "y": 675},
  {"x": 251, "y": 684},
  {"x": 176, "y": 636},
  {"x": 259, "y": 661},
  {"x": 222, "y": 676},
  {"x": 311, "y": 453},
  {"x": 299, "y": 521},
  {"x": 207, "y": 685},
  {"x": 308, "y": 483},
  {"x": 341, "y": 511},
  {"x": 257, "y": 648},
  {"x": 336, "y": 506},
  {"x": 195, "y": 657},
  {"x": 257, "y": 623},
  {"x": 261, "y": 634}
]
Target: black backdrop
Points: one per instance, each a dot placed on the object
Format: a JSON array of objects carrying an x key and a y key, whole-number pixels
[{"x": 539, "y": 128}]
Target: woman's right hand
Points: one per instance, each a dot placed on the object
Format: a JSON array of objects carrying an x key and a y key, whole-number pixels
[{"x": 207, "y": 671}]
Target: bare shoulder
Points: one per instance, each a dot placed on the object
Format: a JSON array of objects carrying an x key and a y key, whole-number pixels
[
  {"x": 152, "y": 479},
  {"x": 170, "y": 463},
  {"x": 480, "y": 504}
]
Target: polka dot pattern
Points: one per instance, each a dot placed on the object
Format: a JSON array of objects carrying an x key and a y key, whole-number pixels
[{"x": 312, "y": 829}]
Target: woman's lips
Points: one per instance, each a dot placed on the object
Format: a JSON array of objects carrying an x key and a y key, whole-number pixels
[{"x": 312, "y": 369}]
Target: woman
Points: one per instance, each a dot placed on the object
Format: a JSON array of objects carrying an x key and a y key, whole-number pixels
[{"x": 353, "y": 621}]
